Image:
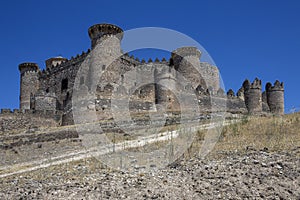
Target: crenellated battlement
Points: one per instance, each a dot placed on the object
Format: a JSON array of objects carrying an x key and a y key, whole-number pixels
[
  {"x": 28, "y": 67},
  {"x": 186, "y": 51},
  {"x": 276, "y": 87},
  {"x": 6, "y": 111},
  {"x": 139, "y": 61},
  {"x": 65, "y": 63},
  {"x": 98, "y": 31},
  {"x": 131, "y": 59},
  {"x": 256, "y": 84}
]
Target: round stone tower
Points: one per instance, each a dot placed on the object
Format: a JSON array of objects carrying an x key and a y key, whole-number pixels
[
  {"x": 186, "y": 61},
  {"x": 275, "y": 97},
  {"x": 166, "y": 87},
  {"x": 106, "y": 49},
  {"x": 253, "y": 96},
  {"x": 29, "y": 83}
]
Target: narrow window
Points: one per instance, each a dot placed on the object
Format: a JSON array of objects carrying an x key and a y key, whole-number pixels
[
  {"x": 122, "y": 78},
  {"x": 64, "y": 84}
]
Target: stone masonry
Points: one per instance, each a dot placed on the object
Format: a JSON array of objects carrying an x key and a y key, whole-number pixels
[{"x": 51, "y": 89}]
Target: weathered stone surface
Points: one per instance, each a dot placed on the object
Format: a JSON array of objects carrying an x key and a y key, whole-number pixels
[
  {"x": 18, "y": 121},
  {"x": 147, "y": 84}
]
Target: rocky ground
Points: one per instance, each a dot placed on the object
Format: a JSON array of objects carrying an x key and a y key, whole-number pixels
[
  {"x": 257, "y": 158},
  {"x": 254, "y": 174}
]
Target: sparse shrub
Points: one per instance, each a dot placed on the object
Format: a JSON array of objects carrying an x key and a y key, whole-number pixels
[
  {"x": 245, "y": 119},
  {"x": 224, "y": 133},
  {"x": 297, "y": 119},
  {"x": 200, "y": 135}
]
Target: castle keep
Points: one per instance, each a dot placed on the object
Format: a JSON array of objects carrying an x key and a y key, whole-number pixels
[{"x": 50, "y": 90}]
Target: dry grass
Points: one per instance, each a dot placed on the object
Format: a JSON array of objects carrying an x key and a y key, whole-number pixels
[
  {"x": 275, "y": 133},
  {"x": 114, "y": 137},
  {"x": 272, "y": 133}
]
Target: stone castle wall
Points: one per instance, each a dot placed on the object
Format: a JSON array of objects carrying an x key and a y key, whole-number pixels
[
  {"x": 18, "y": 120},
  {"x": 146, "y": 84}
]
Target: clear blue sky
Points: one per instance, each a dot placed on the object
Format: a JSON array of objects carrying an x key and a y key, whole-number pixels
[{"x": 246, "y": 39}]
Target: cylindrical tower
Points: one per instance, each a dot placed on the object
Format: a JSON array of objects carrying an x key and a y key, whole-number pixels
[
  {"x": 275, "y": 97},
  {"x": 29, "y": 83},
  {"x": 253, "y": 96},
  {"x": 106, "y": 45},
  {"x": 186, "y": 61},
  {"x": 165, "y": 87}
]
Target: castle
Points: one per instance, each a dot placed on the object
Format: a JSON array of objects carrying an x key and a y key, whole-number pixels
[{"x": 49, "y": 92}]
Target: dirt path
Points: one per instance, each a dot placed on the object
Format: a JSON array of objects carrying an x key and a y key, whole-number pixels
[{"x": 83, "y": 154}]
